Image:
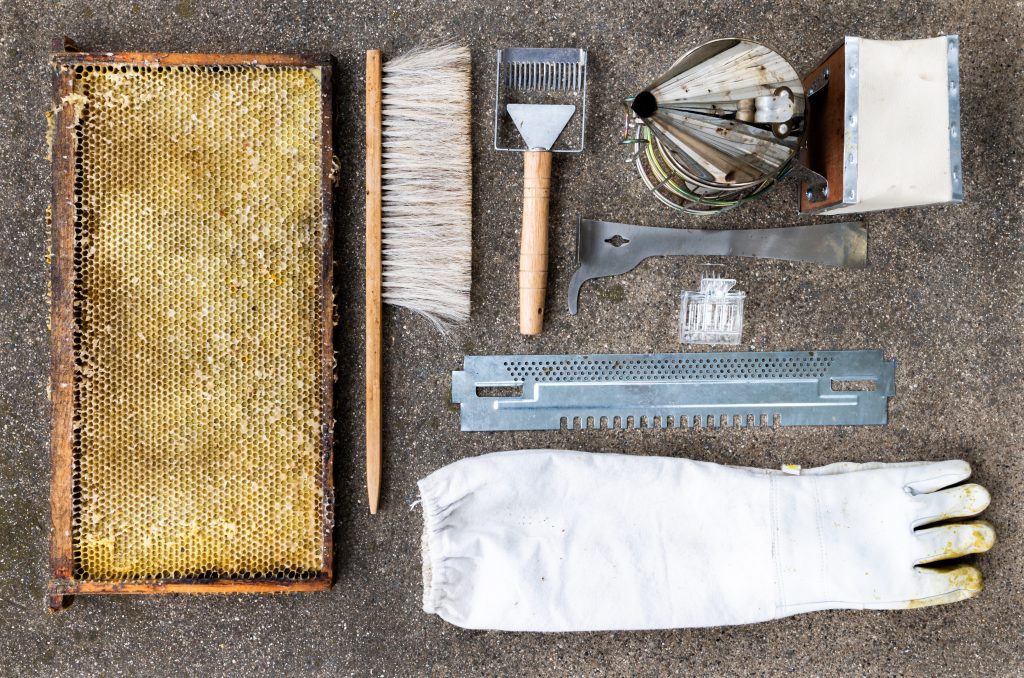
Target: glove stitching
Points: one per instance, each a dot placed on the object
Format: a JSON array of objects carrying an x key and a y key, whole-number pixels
[
  {"x": 855, "y": 604},
  {"x": 821, "y": 541},
  {"x": 773, "y": 510}
]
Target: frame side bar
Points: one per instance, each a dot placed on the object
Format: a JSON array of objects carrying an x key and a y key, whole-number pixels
[{"x": 62, "y": 330}]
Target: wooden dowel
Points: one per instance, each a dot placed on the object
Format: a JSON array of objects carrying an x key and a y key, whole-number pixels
[
  {"x": 533, "y": 246},
  {"x": 373, "y": 277}
]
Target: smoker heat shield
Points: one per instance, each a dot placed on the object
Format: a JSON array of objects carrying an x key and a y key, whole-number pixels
[{"x": 191, "y": 317}]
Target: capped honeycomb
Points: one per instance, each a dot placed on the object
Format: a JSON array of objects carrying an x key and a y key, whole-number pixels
[{"x": 198, "y": 341}]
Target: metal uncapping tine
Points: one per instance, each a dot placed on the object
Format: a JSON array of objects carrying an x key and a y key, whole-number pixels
[{"x": 546, "y": 71}]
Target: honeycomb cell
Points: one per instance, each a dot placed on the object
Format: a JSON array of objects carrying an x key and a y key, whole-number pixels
[{"x": 199, "y": 321}]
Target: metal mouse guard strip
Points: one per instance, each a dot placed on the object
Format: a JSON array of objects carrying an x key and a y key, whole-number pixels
[{"x": 674, "y": 390}]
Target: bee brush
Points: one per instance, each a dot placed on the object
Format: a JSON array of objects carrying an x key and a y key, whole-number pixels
[{"x": 418, "y": 205}]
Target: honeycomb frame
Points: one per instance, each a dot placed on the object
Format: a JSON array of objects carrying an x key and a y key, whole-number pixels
[{"x": 68, "y": 575}]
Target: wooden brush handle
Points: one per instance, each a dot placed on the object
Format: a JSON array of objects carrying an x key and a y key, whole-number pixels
[
  {"x": 533, "y": 248},
  {"x": 373, "y": 276}
]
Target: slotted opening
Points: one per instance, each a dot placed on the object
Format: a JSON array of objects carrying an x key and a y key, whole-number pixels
[
  {"x": 854, "y": 385},
  {"x": 499, "y": 391}
]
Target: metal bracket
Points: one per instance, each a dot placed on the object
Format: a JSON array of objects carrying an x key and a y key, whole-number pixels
[
  {"x": 674, "y": 390},
  {"x": 820, "y": 82},
  {"x": 817, "y": 185}
]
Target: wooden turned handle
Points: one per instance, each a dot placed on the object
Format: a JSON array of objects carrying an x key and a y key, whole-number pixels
[
  {"x": 533, "y": 248},
  {"x": 373, "y": 276}
]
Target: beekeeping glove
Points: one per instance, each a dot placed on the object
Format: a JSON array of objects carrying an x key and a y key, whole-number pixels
[{"x": 551, "y": 540}]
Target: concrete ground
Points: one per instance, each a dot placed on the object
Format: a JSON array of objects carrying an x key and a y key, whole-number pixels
[{"x": 942, "y": 296}]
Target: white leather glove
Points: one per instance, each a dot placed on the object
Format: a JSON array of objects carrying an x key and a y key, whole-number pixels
[{"x": 552, "y": 540}]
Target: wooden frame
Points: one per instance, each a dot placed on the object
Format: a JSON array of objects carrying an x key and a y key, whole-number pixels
[
  {"x": 824, "y": 139},
  {"x": 62, "y": 331}
]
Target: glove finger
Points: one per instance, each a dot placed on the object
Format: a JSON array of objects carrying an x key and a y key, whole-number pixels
[
  {"x": 853, "y": 467},
  {"x": 956, "y": 502},
  {"x": 936, "y": 476},
  {"x": 953, "y": 541},
  {"x": 940, "y": 585}
]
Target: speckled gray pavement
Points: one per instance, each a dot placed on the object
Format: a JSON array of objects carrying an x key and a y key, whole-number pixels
[{"x": 942, "y": 296}]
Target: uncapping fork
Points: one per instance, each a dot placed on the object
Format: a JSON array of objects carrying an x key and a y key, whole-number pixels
[{"x": 538, "y": 76}]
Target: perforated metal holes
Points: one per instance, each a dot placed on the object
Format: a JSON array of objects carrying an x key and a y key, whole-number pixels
[
  {"x": 668, "y": 370},
  {"x": 198, "y": 345}
]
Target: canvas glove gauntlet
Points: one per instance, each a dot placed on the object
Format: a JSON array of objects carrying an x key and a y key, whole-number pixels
[{"x": 549, "y": 540}]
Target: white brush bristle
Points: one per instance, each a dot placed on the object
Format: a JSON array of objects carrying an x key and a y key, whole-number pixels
[{"x": 426, "y": 216}]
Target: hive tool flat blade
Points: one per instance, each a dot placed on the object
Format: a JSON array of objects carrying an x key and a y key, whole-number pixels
[{"x": 605, "y": 248}]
